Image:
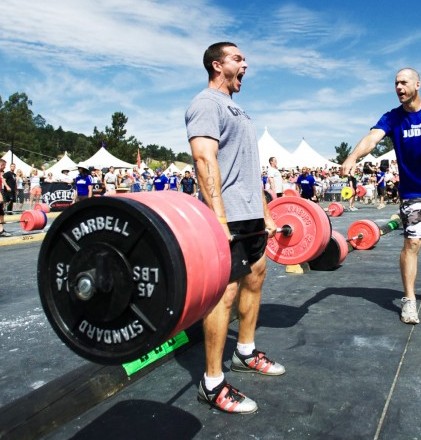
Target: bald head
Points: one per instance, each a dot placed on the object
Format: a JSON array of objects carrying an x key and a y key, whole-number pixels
[{"x": 409, "y": 71}]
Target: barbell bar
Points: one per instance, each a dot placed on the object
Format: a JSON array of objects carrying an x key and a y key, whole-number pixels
[{"x": 361, "y": 235}]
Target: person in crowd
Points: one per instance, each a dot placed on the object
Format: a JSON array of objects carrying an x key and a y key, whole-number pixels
[
  {"x": 3, "y": 232},
  {"x": 65, "y": 177},
  {"x": 307, "y": 185},
  {"x": 352, "y": 183},
  {"x": 35, "y": 190},
  {"x": 83, "y": 184},
  {"x": 9, "y": 188},
  {"x": 20, "y": 182},
  {"x": 160, "y": 180},
  {"x": 173, "y": 183},
  {"x": 49, "y": 178},
  {"x": 188, "y": 184},
  {"x": 381, "y": 186},
  {"x": 217, "y": 129},
  {"x": 275, "y": 177},
  {"x": 402, "y": 124},
  {"x": 110, "y": 181},
  {"x": 137, "y": 181}
]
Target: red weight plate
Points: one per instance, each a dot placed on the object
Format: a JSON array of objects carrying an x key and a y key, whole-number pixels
[
  {"x": 343, "y": 245},
  {"x": 335, "y": 209},
  {"x": 204, "y": 246},
  {"x": 45, "y": 207},
  {"x": 363, "y": 234},
  {"x": 310, "y": 226},
  {"x": 291, "y": 192},
  {"x": 361, "y": 191},
  {"x": 33, "y": 220}
]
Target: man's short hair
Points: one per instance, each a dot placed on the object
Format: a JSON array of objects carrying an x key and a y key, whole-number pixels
[
  {"x": 215, "y": 52},
  {"x": 271, "y": 159}
]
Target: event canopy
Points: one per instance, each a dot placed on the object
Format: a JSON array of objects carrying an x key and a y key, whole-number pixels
[
  {"x": 305, "y": 156},
  {"x": 171, "y": 169},
  {"x": 65, "y": 163},
  {"x": 104, "y": 159},
  {"x": 268, "y": 147},
  {"x": 369, "y": 158},
  {"x": 20, "y": 164}
]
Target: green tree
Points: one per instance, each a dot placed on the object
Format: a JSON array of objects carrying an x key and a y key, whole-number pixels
[
  {"x": 342, "y": 152},
  {"x": 114, "y": 139},
  {"x": 384, "y": 146},
  {"x": 17, "y": 125}
]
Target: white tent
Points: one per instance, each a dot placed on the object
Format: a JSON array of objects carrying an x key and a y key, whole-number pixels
[
  {"x": 65, "y": 163},
  {"x": 20, "y": 164},
  {"x": 104, "y": 159},
  {"x": 305, "y": 156},
  {"x": 369, "y": 158},
  {"x": 171, "y": 169},
  {"x": 268, "y": 147}
]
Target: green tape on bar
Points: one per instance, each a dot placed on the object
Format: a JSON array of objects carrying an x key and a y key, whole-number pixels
[{"x": 167, "y": 347}]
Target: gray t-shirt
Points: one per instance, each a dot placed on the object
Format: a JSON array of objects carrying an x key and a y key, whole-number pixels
[{"x": 213, "y": 114}]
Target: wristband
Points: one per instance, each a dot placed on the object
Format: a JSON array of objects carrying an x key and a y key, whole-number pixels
[{"x": 222, "y": 220}]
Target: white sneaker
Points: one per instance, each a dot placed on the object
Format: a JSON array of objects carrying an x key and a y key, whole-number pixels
[
  {"x": 381, "y": 206},
  {"x": 409, "y": 314}
]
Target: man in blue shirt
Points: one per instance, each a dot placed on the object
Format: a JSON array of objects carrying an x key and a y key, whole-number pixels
[
  {"x": 403, "y": 126},
  {"x": 173, "y": 182},
  {"x": 307, "y": 185},
  {"x": 160, "y": 181}
]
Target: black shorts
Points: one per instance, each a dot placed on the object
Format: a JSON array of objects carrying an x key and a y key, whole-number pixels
[
  {"x": 381, "y": 191},
  {"x": 247, "y": 251}
]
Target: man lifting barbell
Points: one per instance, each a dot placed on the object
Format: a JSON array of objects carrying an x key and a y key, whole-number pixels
[
  {"x": 230, "y": 185},
  {"x": 402, "y": 125}
]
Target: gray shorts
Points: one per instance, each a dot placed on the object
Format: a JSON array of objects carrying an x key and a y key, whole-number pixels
[{"x": 410, "y": 211}]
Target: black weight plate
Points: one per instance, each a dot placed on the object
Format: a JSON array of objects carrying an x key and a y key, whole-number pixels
[
  {"x": 329, "y": 259},
  {"x": 133, "y": 268}
]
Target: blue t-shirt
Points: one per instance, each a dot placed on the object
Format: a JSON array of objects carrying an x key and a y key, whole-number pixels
[
  {"x": 306, "y": 183},
  {"x": 160, "y": 182},
  {"x": 82, "y": 184},
  {"x": 173, "y": 182},
  {"x": 380, "y": 182},
  {"x": 404, "y": 128}
]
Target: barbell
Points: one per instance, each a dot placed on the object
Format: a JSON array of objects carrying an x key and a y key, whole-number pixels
[
  {"x": 347, "y": 192},
  {"x": 361, "y": 235},
  {"x": 120, "y": 275},
  {"x": 30, "y": 220}
]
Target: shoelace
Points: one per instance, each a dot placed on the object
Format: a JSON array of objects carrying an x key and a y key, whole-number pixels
[
  {"x": 260, "y": 356},
  {"x": 233, "y": 393}
]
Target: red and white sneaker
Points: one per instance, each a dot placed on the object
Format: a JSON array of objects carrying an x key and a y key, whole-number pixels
[
  {"x": 257, "y": 362},
  {"x": 226, "y": 398}
]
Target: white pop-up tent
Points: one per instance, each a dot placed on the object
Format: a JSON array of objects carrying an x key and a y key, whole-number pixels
[
  {"x": 65, "y": 163},
  {"x": 306, "y": 156},
  {"x": 20, "y": 164},
  {"x": 369, "y": 158},
  {"x": 171, "y": 169},
  {"x": 104, "y": 159},
  {"x": 268, "y": 147}
]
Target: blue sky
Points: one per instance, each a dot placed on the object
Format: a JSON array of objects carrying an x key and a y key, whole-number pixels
[{"x": 323, "y": 70}]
